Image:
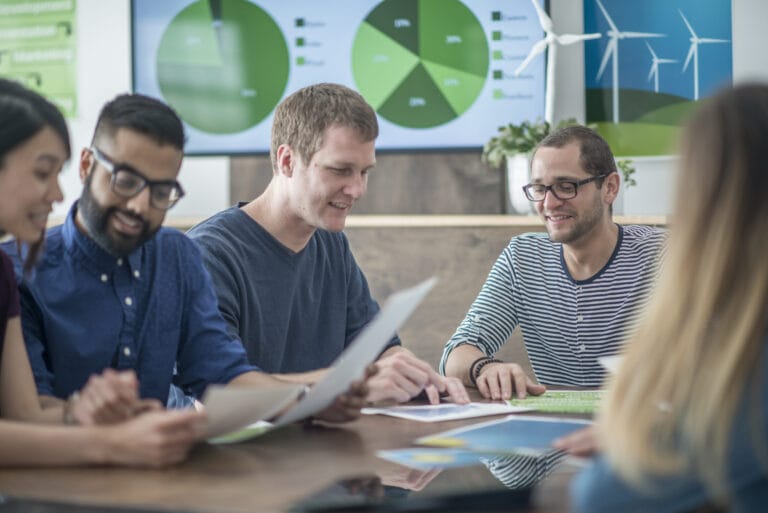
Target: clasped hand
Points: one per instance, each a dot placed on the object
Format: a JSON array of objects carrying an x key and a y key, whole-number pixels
[{"x": 109, "y": 398}]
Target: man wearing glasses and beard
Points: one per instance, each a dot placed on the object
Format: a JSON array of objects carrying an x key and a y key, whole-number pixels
[{"x": 575, "y": 292}]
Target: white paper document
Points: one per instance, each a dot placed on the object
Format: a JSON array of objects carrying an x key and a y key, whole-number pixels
[
  {"x": 611, "y": 363},
  {"x": 232, "y": 408},
  {"x": 447, "y": 411},
  {"x": 366, "y": 347}
]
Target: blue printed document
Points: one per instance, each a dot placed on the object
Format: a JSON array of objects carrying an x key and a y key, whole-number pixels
[
  {"x": 514, "y": 434},
  {"x": 425, "y": 458}
]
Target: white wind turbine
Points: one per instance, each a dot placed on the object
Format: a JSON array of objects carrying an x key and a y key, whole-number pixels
[
  {"x": 693, "y": 53},
  {"x": 612, "y": 52},
  {"x": 655, "y": 67},
  {"x": 549, "y": 43}
]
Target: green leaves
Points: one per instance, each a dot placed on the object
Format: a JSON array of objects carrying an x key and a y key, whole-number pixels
[
  {"x": 514, "y": 139},
  {"x": 626, "y": 170}
]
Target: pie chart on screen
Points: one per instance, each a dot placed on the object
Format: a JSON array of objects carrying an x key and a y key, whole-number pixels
[
  {"x": 420, "y": 63},
  {"x": 223, "y": 65}
]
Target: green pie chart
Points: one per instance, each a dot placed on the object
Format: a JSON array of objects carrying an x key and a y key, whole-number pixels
[
  {"x": 420, "y": 63},
  {"x": 223, "y": 65}
]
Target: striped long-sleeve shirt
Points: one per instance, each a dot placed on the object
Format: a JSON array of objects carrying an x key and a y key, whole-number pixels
[{"x": 566, "y": 324}]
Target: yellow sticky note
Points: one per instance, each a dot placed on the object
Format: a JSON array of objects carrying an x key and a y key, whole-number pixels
[
  {"x": 433, "y": 458},
  {"x": 444, "y": 442}
]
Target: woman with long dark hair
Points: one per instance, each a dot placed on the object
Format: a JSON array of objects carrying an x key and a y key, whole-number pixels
[{"x": 34, "y": 145}]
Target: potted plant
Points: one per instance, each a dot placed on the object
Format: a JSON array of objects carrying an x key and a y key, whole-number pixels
[{"x": 513, "y": 146}]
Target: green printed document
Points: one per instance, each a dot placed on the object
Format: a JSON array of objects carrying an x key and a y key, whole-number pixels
[{"x": 562, "y": 401}]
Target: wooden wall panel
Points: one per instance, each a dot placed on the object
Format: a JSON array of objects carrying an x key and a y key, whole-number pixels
[
  {"x": 415, "y": 183},
  {"x": 393, "y": 258}
]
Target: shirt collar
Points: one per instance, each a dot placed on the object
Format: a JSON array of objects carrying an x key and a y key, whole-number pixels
[{"x": 85, "y": 247}]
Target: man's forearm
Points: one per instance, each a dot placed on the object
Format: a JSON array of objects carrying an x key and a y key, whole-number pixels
[
  {"x": 460, "y": 360},
  {"x": 306, "y": 378},
  {"x": 255, "y": 378}
]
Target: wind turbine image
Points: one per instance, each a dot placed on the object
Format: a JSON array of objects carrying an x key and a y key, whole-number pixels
[
  {"x": 612, "y": 52},
  {"x": 693, "y": 53},
  {"x": 654, "y": 73},
  {"x": 549, "y": 43}
]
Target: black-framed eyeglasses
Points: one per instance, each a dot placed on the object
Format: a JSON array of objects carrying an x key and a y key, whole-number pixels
[
  {"x": 563, "y": 190},
  {"x": 127, "y": 183}
]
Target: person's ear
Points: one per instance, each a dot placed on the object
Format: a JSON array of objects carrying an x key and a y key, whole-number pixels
[
  {"x": 611, "y": 184},
  {"x": 285, "y": 159},
  {"x": 87, "y": 161}
]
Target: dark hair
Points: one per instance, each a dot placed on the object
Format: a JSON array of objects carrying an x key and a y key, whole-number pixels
[
  {"x": 303, "y": 117},
  {"x": 596, "y": 157},
  {"x": 23, "y": 113},
  {"x": 141, "y": 114}
]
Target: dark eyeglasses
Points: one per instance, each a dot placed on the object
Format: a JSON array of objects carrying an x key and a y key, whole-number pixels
[
  {"x": 127, "y": 183},
  {"x": 562, "y": 190}
]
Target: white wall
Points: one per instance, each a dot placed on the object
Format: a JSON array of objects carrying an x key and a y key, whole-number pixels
[
  {"x": 104, "y": 70},
  {"x": 104, "y": 67}
]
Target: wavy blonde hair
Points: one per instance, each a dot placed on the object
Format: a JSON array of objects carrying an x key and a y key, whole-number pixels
[{"x": 671, "y": 407}]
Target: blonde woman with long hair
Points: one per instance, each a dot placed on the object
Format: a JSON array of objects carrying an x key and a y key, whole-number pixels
[{"x": 685, "y": 423}]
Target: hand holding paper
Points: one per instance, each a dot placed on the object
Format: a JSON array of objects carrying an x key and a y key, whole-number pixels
[{"x": 338, "y": 396}]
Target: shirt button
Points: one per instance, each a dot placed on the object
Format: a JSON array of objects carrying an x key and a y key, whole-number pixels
[
  {"x": 127, "y": 351},
  {"x": 136, "y": 273},
  {"x": 128, "y": 301},
  {"x": 104, "y": 278},
  {"x": 119, "y": 261},
  {"x": 580, "y": 318},
  {"x": 582, "y": 347}
]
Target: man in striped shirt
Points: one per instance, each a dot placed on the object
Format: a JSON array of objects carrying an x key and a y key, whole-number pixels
[{"x": 575, "y": 291}]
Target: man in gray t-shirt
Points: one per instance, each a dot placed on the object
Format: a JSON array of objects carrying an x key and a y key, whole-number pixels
[{"x": 286, "y": 280}]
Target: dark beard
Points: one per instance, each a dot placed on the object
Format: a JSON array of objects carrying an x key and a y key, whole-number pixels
[{"x": 96, "y": 220}]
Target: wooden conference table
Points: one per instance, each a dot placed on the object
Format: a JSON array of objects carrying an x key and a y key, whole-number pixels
[{"x": 266, "y": 474}]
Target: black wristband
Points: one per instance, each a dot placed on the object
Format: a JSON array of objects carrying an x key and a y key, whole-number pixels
[
  {"x": 472, "y": 369},
  {"x": 477, "y": 367}
]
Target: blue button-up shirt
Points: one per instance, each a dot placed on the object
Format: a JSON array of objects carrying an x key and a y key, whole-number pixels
[{"x": 84, "y": 310}]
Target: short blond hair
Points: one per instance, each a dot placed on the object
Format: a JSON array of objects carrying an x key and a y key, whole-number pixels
[{"x": 301, "y": 119}]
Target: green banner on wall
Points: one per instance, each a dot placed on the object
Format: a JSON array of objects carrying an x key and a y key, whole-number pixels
[{"x": 38, "y": 48}]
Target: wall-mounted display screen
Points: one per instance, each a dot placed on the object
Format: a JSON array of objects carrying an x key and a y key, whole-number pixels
[{"x": 439, "y": 73}]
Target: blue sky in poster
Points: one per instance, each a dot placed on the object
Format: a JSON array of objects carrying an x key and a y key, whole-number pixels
[{"x": 661, "y": 16}]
